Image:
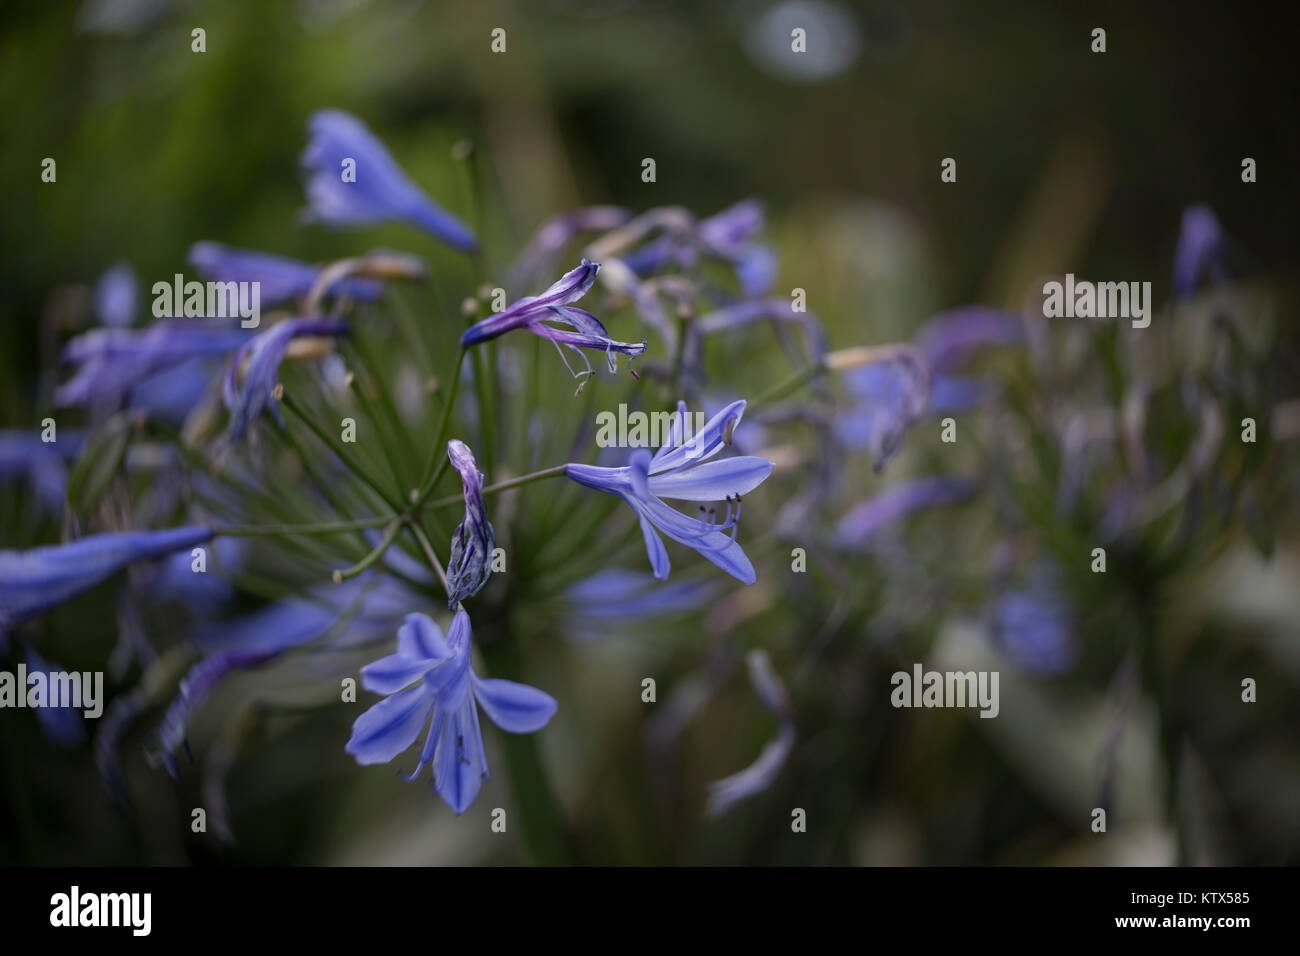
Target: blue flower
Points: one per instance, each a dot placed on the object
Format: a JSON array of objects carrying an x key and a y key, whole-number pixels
[
  {"x": 889, "y": 395},
  {"x": 583, "y": 331},
  {"x": 117, "y": 297},
  {"x": 265, "y": 352},
  {"x": 279, "y": 278},
  {"x": 866, "y": 519},
  {"x": 1201, "y": 249},
  {"x": 1032, "y": 625},
  {"x": 112, "y": 362},
  {"x": 727, "y": 236},
  {"x": 683, "y": 471},
  {"x": 472, "y": 542},
  {"x": 23, "y": 455},
  {"x": 381, "y": 191},
  {"x": 34, "y": 581},
  {"x": 431, "y": 677}
]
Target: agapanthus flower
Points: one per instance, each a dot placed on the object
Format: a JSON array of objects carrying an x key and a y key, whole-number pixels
[
  {"x": 889, "y": 395},
  {"x": 430, "y": 677},
  {"x": 682, "y": 470},
  {"x": 869, "y": 517},
  {"x": 556, "y": 233},
  {"x": 34, "y": 581},
  {"x": 758, "y": 776},
  {"x": 381, "y": 192},
  {"x": 264, "y": 353},
  {"x": 112, "y": 362},
  {"x": 583, "y": 331},
  {"x": 1032, "y": 624},
  {"x": 280, "y": 278},
  {"x": 117, "y": 296},
  {"x": 472, "y": 542},
  {"x": 1201, "y": 250},
  {"x": 23, "y": 455}
]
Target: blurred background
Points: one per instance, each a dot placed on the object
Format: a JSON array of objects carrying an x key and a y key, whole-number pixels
[{"x": 1066, "y": 161}]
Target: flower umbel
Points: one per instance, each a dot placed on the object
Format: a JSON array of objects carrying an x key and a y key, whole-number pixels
[
  {"x": 682, "y": 470},
  {"x": 430, "y": 676}
]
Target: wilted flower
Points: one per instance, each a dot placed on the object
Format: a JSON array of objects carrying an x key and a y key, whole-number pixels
[
  {"x": 280, "y": 278},
  {"x": 533, "y": 312},
  {"x": 472, "y": 542},
  {"x": 683, "y": 471},
  {"x": 114, "y": 361},
  {"x": 34, "y": 581},
  {"x": 758, "y": 776},
  {"x": 430, "y": 676},
  {"x": 264, "y": 353},
  {"x": 380, "y": 192}
]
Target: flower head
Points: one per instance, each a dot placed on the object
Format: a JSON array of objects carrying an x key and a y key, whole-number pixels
[
  {"x": 378, "y": 191},
  {"x": 584, "y": 330},
  {"x": 264, "y": 353},
  {"x": 430, "y": 677},
  {"x": 112, "y": 362},
  {"x": 32, "y": 582},
  {"x": 280, "y": 278},
  {"x": 682, "y": 470},
  {"x": 473, "y": 540}
]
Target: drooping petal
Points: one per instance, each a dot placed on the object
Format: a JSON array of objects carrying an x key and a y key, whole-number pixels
[
  {"x": 459, "y": 763},
  {"x": 390, "y": 726},
  {"x": 715, "y": 546},
  {"x": 515, "y": 707}
]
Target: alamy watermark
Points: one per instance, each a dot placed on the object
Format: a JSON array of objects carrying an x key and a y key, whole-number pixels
[
  {"x": 84, "y": 692},
  {"x": 923, "y": 688},
  {"x": 1097, "y": 300},
  {"x": 213, "y": 300},
  {"x": 637, "y": 429}
]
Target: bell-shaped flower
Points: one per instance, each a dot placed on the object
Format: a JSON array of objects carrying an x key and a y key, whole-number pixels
[
  {"x": 264, "y": 353},
  {"x": 473, "y": 540},
  {"x": 583, "y": 330},
  {"x": 352, "y": 180},
  {"x": 682, "y": 470},
  {"x": 429, "y": 682},
  {"x": 32, "y": 582}
]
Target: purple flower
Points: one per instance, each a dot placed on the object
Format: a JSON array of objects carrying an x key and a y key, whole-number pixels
[
  {"x": 743, "y": 314},
  {"x": 23, "y": 455},
  {"x": 280, "y": 278},
  {"x": 472, "y": 542},
  {"x": 727, "y": 236},
  {"x": 533, "y": 312},
  {"x": 430, "y": 676},
  {"x": 682, "y": 470},
  {"x": 34, "y": 581},
  {"x": 758, "y": 776},
  {"x": 339, "y": 146},
  {"x": 1032, "y": 625},
  {"x": 1201, "y": 249},
  {"x": 859, "y": 525},
  {"x": 117, "y": 296},
  {"x": 889, "y": 396},
  {"x": 265, "y": 352},
  {"x": 114, "y": 361},
  {"x": 949, "y": 338},
  {"x": 556, "y": 233}
]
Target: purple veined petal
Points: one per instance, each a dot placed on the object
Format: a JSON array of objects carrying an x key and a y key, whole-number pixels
[
  {"x": 430, "y": 744},
  {"x": 707, "y": 443},
  {"x": 715, "y": 546},
  {"x": 420, "y": 637},
  {"x": 36, "y": 580},
  {"x": 389, "y": 727},
  {"x": 712, "y": 480},
  {"x": 390, "y": 674},
  {"x": 655, "y": 550},
  {"x": 515, "y": 707},
  {"x": 754, "y": 779},
  {"x": 570, "y": 287},
  {"x": 459, "y": 764},
  {"x": 675, "y": 432}
]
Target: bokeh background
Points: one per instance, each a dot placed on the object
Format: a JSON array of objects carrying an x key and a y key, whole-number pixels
[{"x": 1067, "y": 161}]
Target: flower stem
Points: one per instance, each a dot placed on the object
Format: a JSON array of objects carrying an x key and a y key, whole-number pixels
[
  {"x": 502, "y": 486},
  {"x": 290, "y": 403},
  {"x": 375, "y": 554},
  {"x": 438, "y": 462}
]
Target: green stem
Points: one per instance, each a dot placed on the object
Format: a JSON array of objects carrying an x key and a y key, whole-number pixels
[
  {"x": 438, "y": 462},
  {"x": 290, "y": 403},
  {"x": 502, "y": 486},
  {"x": 376, "y": 553}
]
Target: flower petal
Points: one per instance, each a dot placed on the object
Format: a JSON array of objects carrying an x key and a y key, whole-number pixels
[
  {"x": 713, "y": 480},
  {"x": 515, "y": 707},
  {"x": 390, "y": 726}
]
